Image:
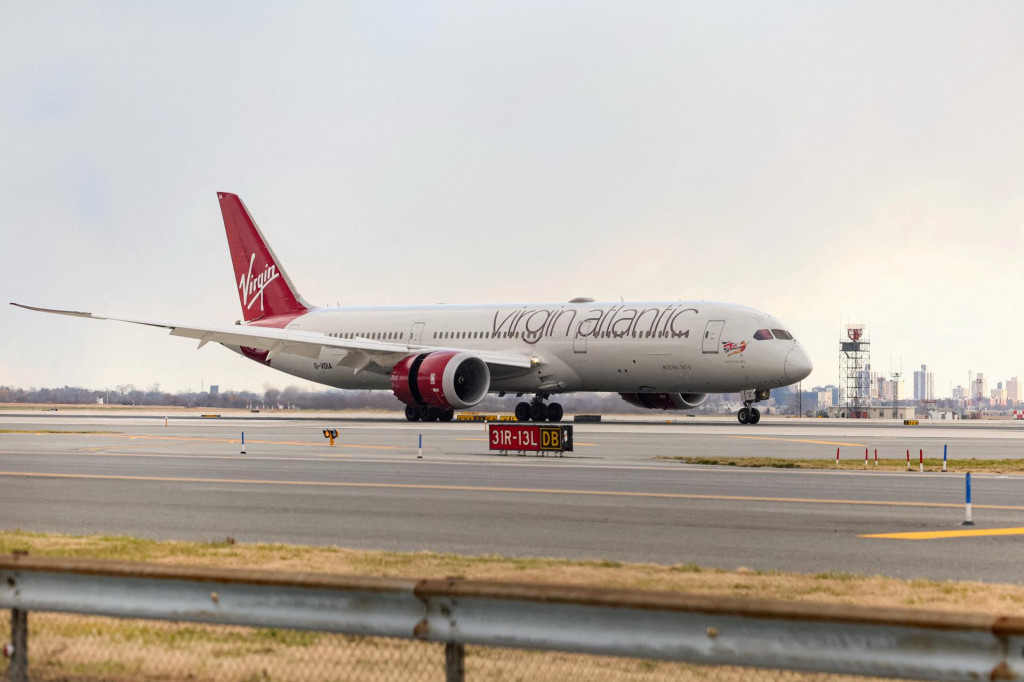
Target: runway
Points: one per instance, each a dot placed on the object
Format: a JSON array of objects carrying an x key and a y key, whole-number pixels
[{"x": 611, "y": 499}]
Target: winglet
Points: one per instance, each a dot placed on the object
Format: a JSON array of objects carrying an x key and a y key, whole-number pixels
[
  {"x": 73, "y": 313},
  {"x": 264, "y": 289}
]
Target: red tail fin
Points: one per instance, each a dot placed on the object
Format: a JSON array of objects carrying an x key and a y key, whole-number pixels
[{"x": 264, "y": 289}]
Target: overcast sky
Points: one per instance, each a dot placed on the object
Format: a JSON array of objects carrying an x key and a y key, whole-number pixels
[{"x": 822, "y": 161}]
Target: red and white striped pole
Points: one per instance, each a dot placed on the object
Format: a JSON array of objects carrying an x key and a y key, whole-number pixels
[
  {"x": 865, "y": 456},
  {"x": 908, "y": 460},
  {"x": 876, "y": 456},
  {"x": 922, "y": 460},
  {"x": 837, "y": 456}
]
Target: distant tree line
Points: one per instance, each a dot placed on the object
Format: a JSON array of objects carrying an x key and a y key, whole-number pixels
[{"x": 292, "y": 397}]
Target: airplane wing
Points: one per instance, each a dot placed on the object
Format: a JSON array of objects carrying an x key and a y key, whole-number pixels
[{"x": 360, "y": 353}]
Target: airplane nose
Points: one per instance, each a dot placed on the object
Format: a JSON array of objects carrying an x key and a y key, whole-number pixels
[{"x": 798, "y": 365}]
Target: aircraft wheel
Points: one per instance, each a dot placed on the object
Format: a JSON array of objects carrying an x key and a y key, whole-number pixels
[
  {"x": 412, "y": 413},
  {"x": 522, "y": 412},
  {"x": 538, "y": 412},
  {"x": 743, "y": 415},
  {"x": 755, "y": 415},
  {"x": 555, "y": 412},
  {"x": 425, "y": 412},
  {"x": 446, "y": 415}
]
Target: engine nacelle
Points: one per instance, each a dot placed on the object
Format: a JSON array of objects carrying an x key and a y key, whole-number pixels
[
  {"x": 665, "y": 401},
  {"x": 445, "y": 379}
]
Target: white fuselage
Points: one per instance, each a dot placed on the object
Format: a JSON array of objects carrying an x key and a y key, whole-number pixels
[{"x": 684, "y": 347}]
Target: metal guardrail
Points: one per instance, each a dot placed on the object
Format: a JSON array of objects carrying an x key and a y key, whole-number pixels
[{"x": 650, "y": 625}]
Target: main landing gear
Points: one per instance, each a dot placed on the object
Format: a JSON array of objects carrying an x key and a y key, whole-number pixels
[
  {"x": 749, "y": 414},
  {"x": 426, "y": 413},
  {"x": 537, "y": 411}
]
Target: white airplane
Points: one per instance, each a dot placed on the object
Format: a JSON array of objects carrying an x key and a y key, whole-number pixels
[{"x": 439, "y": 358}]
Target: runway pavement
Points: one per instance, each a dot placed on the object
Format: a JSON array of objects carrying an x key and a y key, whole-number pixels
[{"x": 611, "y": 499}]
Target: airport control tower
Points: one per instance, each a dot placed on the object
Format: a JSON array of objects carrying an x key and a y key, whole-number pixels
[{"x": 854, "y": 360}]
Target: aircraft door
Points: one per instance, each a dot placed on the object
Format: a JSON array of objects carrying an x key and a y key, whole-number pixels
[
  {"x": 416, "y": 333},
  {"x": 712, "y": 333},
  {"x": 583, "y": 329}
]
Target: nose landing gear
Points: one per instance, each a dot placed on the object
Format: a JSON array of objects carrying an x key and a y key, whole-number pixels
[
  {"x": 537, "y": 411},
  {"x": 749, "y": 414}
]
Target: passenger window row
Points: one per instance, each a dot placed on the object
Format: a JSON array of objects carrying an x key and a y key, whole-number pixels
[
  {"x": 400, "y": 336},
  {"x": 464, "y": 335},
  {"x": 377, "y": 336}
]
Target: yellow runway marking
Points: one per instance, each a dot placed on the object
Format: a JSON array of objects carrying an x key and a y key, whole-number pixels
[
  {"x": 495, "y": 489},
  {"x": 237, "y": 458},
  {"x": 939, "y": 534},
  {"x": 800, "y": 440},
  {"x": 236, "y": 440},
  {"x": 122, "y": 447}
]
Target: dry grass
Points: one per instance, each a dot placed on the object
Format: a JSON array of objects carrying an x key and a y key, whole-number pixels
[
  {"x": 66, "y": 647},
  {"x": 991, "y": 466},
  {"x": 830, "y": 587}
]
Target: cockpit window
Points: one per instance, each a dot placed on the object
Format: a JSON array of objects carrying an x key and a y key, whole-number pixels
[
  {"x": 762, "y": 335},
  {"x": 782, "y": 334}
]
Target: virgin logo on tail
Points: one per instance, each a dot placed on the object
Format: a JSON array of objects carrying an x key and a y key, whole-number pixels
[{"x": 253, "y": 288}]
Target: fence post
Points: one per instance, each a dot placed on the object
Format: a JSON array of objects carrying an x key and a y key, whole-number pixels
[
  {"x": 18, "y": 671},
  {"x": 454, "y": 662}
]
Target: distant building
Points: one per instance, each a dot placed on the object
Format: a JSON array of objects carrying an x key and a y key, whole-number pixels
[
  {"x": 924, "y": 384},
  {"x": 869, "y": 379},
  {"x": 887, "y": 390},
  {"x": 998, "y": 396},
  {"x": 979, "y": 389},
  {"x": 817, "y": 400},
  {"x": 214, "y": 389},
  {"x": 1013, "y": 392},
  {"x": 878, "y": 412}
]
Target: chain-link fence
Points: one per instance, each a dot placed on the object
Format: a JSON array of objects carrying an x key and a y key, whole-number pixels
[
  {"x": 93, "y": 620},
  {"x": 70, "y": 647}
]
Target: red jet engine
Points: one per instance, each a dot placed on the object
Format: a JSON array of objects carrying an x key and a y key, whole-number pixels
[{"x": 447, "y": 379}]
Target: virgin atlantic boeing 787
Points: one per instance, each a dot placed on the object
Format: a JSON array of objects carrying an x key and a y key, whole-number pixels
[{"x": 440, "y": 358}]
